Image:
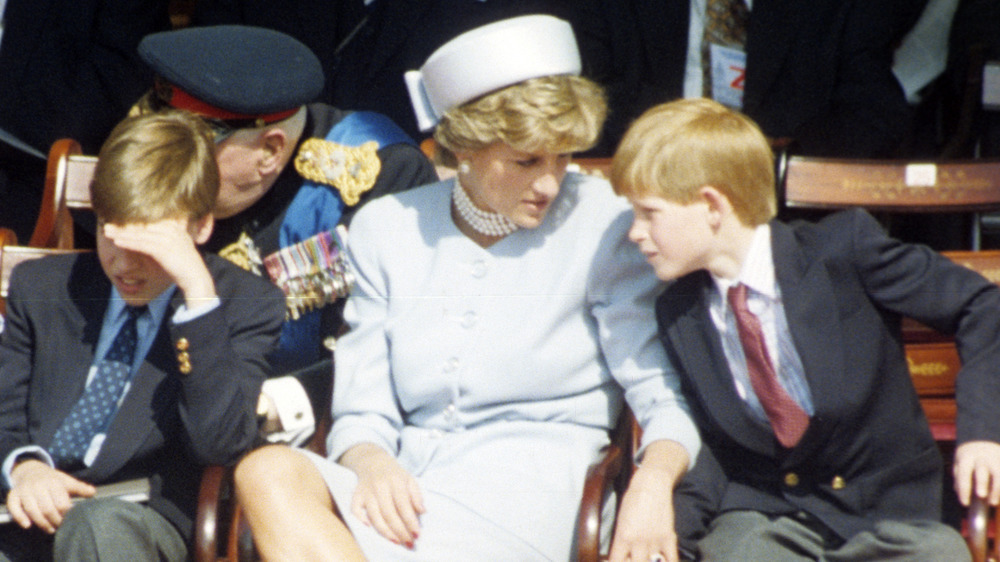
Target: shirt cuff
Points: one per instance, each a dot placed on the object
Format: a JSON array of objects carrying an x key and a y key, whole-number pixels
[
  {"x": 183, "y": 315},
  {"x": 294, "y": 410},
  {"x": 33, "y": 451}
]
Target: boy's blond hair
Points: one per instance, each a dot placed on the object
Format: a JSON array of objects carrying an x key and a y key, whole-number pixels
[
  {"x": 555, "y": 114},
  {"x": 156, "y": 166},
  {"x": 676, "y": 148}
]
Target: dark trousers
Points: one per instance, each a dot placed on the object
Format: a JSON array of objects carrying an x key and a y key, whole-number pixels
[
  {"x": 749, "y": 535},
  {"x": 104, "y": 530}
]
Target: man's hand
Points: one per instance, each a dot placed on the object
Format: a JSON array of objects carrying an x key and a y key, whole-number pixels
[
  {"x": 977, "y": 470},
  {"x": 645, "y": 525},
  {"x": 387, "y": 497},
  {"x": 42, "y": 495},
  {"x": 171, "y": 244}
]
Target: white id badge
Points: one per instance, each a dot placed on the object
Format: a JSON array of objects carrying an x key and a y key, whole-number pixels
[{"x": 728, "y": 73}]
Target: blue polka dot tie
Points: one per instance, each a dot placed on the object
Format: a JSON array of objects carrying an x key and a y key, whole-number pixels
[{"x": 92, "y": 413}]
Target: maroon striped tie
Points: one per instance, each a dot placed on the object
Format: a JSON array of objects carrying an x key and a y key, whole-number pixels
[{"x": 788, "y": 419}]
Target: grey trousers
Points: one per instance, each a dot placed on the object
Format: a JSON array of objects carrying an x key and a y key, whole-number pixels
[
  {"x": 752, "y": 536},
  {"x": 106, "y": 530}
]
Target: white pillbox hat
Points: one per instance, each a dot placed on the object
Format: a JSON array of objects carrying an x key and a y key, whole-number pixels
[{"x": 488, "y": 58}]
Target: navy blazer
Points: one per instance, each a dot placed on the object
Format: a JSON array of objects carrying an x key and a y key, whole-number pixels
[
  {"x": 170, "y": 424},
  {"x": 868, "y": 453}
]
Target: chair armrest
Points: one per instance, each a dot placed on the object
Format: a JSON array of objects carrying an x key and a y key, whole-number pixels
[
  {"x": 601, "y": 478},
  {"x": 215, "y": 499},
  {"x": 978, "y": 520},
  {"x": 8, "y": 237}
]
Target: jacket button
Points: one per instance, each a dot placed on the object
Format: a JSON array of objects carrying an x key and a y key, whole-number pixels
[
  {"x": 839, "y": 483},
  {"x": 183, "y": 344},
  {"x": 184, "y": 362},
  {"x": 791, "y": 480}
]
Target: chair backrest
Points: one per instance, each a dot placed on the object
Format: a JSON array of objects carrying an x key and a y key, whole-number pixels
[
  {"x": 600, "y": 167},
  {"x": 67, "y": 186},
  {"x": 11, "y": 256},
  {"x": 933, "y": 358},
  {"x": 899, "y": 186}
]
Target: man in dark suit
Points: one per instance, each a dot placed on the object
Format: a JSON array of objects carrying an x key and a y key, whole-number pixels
[
  {"x": 67, "y": 69},
  {"x": 143, "y": 360},
  {"x": 787, "y": 341},
  {"x": 818, "y": 72}
]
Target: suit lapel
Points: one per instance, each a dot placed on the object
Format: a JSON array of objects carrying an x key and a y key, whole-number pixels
[
  {"x": 89, "y": 290},
  {"x": 703, "y": 363},
  {"x": 145, "y": 407},
  {"x": 814, "y": 322}
]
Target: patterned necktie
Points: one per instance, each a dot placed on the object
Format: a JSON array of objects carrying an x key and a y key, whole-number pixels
[
  {"x": 787, "y": 418},
  {"x": 91, "y": 414},
  {"x": 725, "y": 24}
]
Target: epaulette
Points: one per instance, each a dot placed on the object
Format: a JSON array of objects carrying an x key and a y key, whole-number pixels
[
  {"x": 350, "y": 169},
  {"x": 243, "y": 253}
]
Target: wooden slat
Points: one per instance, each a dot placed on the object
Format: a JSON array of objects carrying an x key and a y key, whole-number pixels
[
  {"x": 884, "y": 185},
  {"x": 79, "y": 173}
]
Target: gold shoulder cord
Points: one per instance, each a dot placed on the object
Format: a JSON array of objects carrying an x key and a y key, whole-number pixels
[{"x": 350, "y": 169}]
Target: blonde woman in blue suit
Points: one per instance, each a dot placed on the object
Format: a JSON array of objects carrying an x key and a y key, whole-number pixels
[{"x": 497, "y": 321}]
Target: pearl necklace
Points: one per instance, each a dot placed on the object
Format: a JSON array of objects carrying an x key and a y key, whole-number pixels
[{"x": 483, "y": 222}]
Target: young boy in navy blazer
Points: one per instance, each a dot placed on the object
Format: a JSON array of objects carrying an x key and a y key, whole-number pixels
[
  {"x": 787, "y": 342},
  {"x": 179, "y": 383}
]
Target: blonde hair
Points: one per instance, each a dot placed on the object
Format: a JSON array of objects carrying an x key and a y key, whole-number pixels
[
  {"x": 676, "y": 148},
  {"x": 156, "y": 166},
  {"x": 555, "y": 114}
]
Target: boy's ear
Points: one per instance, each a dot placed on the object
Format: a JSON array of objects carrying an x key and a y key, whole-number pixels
[
  {"x": 719, "y": 205},
  {"x": 201, "y": 229}
]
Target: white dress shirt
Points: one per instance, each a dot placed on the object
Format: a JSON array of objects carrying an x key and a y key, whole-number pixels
[{"x": 764, "y": 301}]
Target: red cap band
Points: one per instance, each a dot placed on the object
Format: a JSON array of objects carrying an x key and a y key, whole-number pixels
[{"x": 183, "y": 100}]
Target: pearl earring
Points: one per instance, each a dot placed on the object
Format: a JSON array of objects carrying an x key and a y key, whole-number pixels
[{"x": 463, "y": 167}]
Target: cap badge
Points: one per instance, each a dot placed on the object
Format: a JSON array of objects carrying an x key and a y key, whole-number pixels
[{"x": 351, "y": 169}]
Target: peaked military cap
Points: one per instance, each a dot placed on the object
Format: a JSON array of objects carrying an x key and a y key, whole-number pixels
[{"x": 234, "y": 72}]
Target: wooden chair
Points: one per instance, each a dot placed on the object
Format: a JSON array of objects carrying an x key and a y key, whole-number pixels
[
  {"x": 222, "y": 533},
  {"x": 893, "y": 186},
  {"x": 609, "y": 475},
  {"x": 67, "y": 186}
]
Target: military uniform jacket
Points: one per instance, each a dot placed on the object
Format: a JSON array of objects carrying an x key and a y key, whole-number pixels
[
  {"x": 402, "y": 166},
  {"x": 868, "y": 453}
]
